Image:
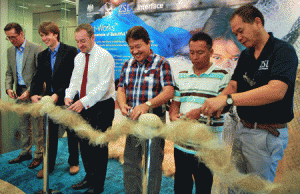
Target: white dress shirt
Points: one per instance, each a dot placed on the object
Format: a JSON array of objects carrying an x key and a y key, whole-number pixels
[{"x": 100, "y": 79}]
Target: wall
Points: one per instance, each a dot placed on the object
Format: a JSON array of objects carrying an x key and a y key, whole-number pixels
[{"x": 12, "y": 12}]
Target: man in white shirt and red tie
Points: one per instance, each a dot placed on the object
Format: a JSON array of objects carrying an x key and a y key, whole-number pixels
[{"x": 93, "y": 79}]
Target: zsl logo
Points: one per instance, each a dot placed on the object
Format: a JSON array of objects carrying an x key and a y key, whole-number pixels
[{"x": 124, "y": 8}]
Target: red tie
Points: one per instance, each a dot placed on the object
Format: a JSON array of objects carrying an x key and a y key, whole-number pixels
[{"x": 84, "y": 78}]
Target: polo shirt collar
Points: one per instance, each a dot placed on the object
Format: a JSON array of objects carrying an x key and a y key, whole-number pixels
[
  {"x": 191, "y": 70},
  {"x": 266, "y": 47},
  {"x": 269, "y": 42}
]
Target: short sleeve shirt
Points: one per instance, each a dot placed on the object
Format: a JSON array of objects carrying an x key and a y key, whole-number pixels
[
  {"x": 192, "y": 90},
  {"x": 277, "y": 61},
  {"x": 143, "y": 82}
]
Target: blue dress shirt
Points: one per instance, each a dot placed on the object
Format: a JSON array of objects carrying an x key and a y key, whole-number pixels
[
  {"x": 53, "y": 58},
  {"x": 19, "y": 62}
]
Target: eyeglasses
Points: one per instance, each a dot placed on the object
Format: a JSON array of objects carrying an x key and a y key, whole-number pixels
[{"x": 11, "y": 37}]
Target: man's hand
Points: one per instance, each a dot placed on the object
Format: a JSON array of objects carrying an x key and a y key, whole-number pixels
[
  {"x": 174, "y": 117},
  {"x": 139, "y": 110},
  {"x": 54, "y": 98},
  {"x": 11, "y": 94},
  {"x": 214, "y": 106},
  {"x": 193, "y": 114},
  {"x": 68, "y": 101},
  {"x": 24, "y": 96},
  {"x": 35, "y": 98},
  {"x": 77, "y": 106},
  {"x": 124, "y": 109}
]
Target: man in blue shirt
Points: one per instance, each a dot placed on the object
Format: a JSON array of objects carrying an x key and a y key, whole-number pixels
[
  {"x": 55, "y": 66},
  {"x": 21, "y": 65}
]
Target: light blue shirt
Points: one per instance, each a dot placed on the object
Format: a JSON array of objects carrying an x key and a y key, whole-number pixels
[
  {"x": 53, "y": 58},
  {"x": 19, "y": 62}
]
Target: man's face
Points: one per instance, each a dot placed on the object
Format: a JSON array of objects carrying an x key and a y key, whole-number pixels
[
  {"x": 226, "y": 54},
  {"x": 16, "y": 39},
  {"x": 116, "y": 2},
  {"x": 139, "y": 49},
  {"x": 49, "y": 39},
  {"x": 246, "y": 33},
  {"x": 84, "y": 42},
  {"x": 199, "y": 53}
]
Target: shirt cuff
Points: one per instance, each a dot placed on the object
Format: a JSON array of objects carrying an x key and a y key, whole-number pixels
[{"x": 84, "y": 102}]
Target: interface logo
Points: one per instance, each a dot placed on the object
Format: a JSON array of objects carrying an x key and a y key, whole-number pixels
[{"x": 152, "y": 6}]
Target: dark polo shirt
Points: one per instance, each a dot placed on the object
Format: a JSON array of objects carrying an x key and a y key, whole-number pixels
[{"x": 277, "y": 61}]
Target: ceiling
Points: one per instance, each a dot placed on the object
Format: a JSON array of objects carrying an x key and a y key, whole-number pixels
[{"x": 39, "y": 6}]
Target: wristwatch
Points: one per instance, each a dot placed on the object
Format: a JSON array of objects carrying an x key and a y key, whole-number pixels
[
  {"x": 149, "y": 104},
  {"x": 229, "y": 100}
]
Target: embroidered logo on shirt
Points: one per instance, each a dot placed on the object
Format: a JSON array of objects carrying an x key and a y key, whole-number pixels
[{"x": 264, "y": 65}]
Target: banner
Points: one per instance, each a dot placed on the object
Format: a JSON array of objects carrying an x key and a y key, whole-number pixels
[{"x": 171, "y": 23}]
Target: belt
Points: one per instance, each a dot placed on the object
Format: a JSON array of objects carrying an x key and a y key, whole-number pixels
[
  {"x": 210, "y": 123},
  {"x": 271, "y": 127}
]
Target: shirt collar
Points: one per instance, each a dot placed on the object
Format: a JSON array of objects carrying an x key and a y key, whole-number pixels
[
  {"x": 269, "y": 42},
  {"x": 22, "y": 46},
  {"x": 56, "y": 49},
  {"x": 92, "y": 50},
  {"x": 266, "y": 47},
  {"x": 210, "y": 69}
]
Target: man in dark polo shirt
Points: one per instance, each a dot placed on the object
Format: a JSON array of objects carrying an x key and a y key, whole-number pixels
[{"x": 262, "y": 88}]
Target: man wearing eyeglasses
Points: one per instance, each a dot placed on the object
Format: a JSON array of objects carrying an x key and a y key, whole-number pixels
[{"x": 21, "y": 65}]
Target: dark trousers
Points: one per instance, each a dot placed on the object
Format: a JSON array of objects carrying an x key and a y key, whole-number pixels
[
  {"x": 187, "y": 165},
  {"x": 95, "y": 158},
  {"x": 73, "y": 141},
  {"x": 53, "y": 141}
]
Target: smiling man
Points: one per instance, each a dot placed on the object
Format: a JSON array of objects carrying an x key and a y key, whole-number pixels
[
  {"x": 145, "y": 85},
  {"x": 262, "y": 88},
  {"x": 55, "y": 66},
  {"x": 93, "y": 80}
]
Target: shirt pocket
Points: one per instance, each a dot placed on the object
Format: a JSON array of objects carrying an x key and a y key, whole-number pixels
[{"x": 150, "y": 78}]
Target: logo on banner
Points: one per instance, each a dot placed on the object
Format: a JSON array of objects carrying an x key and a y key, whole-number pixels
[
  {"x": 90, "y": 8},
  {"x": 124, "y": 8},
  {"x": 264, "y": 65},
  {"x": 152, "y": 6}
]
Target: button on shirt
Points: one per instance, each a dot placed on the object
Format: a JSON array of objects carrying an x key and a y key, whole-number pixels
[
  {"x": 19, "y": 62},
  {"x": 100, "y": 78},
  {"x": 143, "y": 82}
]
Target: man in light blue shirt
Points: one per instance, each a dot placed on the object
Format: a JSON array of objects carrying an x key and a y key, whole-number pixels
[{"x": 21, "y": 65}]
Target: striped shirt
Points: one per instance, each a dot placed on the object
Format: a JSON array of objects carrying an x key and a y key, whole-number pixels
[
  {"x": 192, "y": 90},
  {"x": 143, "y": 82}
]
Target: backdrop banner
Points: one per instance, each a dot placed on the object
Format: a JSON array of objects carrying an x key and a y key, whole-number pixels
[{"x": 170, "y": 24}]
